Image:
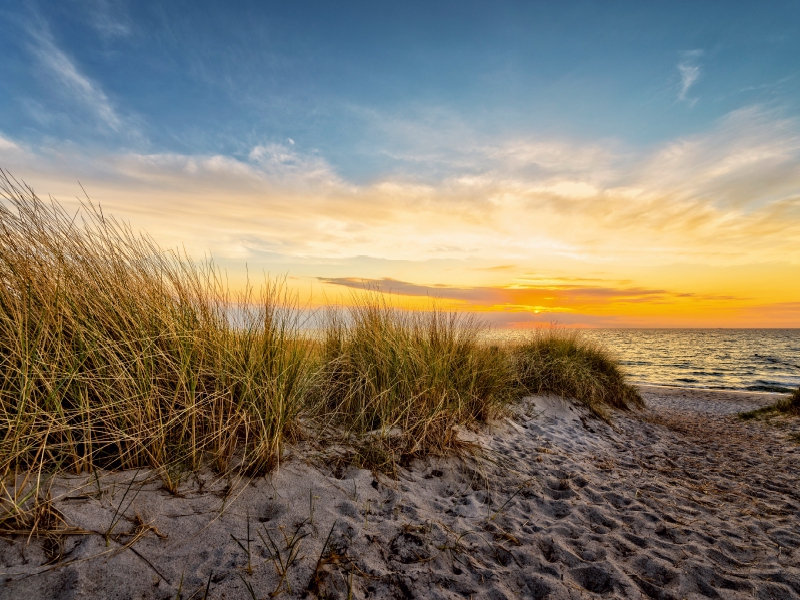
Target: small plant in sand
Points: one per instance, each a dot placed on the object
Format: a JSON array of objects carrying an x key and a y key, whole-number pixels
[
  {"x": 563, "y": 362},
  {"x": 789, "y": 405},
  {"x": 792, "y": 404}
]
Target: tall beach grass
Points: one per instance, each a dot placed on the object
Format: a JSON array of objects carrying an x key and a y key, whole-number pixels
[
  {"x": 408, "y": 378},
  {"x": 566, "y": 363},
  {"x": 116, "y": 353}
]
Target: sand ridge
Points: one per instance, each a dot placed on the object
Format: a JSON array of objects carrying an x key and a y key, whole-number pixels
[{"x": 681, "y": 500}]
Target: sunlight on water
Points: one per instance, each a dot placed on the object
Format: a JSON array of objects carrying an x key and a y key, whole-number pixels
[{"x": 741, "y": 359}]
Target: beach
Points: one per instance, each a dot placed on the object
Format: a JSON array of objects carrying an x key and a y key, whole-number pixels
[
  {"x": 399, "y": 300},
  {"x": 678, "y": 500}
]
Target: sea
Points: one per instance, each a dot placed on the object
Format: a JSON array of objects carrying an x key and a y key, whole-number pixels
[{"x": 763, "y": 360}]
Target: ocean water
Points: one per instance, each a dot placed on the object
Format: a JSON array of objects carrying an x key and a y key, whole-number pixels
[
  {"x": 737, "y": 359},
  {"x": 765, "y": 360}
]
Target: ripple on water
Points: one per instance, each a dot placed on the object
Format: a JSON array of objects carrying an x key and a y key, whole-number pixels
[{"x": 739, "y": 359}]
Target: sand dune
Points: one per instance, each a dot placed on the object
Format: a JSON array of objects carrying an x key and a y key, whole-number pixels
[{"x": 680, "y": 500}]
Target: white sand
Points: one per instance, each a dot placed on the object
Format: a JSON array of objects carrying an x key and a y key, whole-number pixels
[{"x": 681, "y": 500}]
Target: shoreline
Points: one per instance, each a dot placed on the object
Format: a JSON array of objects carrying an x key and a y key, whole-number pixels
[
  {"x": 680, "y": 499},
  {"x": 701, "y": 389}
]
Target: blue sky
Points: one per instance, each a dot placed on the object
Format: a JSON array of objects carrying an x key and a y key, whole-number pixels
[
  {"x": 214, "y": 77},
  {"x": 655, "y": 123}
]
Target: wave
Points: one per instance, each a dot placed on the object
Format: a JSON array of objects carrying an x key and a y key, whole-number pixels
[{"x": 745, "y": 360}]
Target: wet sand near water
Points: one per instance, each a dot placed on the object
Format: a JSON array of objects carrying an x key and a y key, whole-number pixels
[{"x": 681, "y": 500}]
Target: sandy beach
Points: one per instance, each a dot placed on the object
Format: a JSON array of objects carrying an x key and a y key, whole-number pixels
[
  {"x": 680, "y": 500},
  {"x": 399, "y": 300}
]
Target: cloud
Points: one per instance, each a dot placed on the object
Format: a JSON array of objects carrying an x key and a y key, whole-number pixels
[
  {"x": 551, "y": 298},
  {"x": 283, "y": 163},
  {"x": 7, "y": 145},
  {"x": 492, "y": 237},
  {"x": 108, "y": 17},
  {"x": 435, "y": 143},
  {"x": 689, "y": 69},
  {"x": 605, "y": 303},
  {"x": 726, "y": 196},
  {"x": 496, "y": 268},
  {"x": 13, "y": 153},
  {"x": 571, "y": 189},
  {"x": 82, "y": 89},
  {"x": 748, "y": 160}
]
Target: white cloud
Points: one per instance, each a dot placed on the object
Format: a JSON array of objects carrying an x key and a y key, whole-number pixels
[
  {"x": 689, "y": 75},
  {"x": 283, "y": 163},
  {"x": 728, "y": 195},
  {"x": 571, "y": 189},
  {"x": 108, "y": 17},
  {"x": 13, "y": 153},
  {"x": 6, "y": 144},
  {"x": 63, "y": 68},
  {"x": 750, "y": 157},
  {"x": 689, "y": 69}
]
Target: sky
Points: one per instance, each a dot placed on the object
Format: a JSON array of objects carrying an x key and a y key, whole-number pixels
[{"x": 592, "y": 164}]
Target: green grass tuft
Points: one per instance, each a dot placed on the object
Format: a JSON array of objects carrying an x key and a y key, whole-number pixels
[
  {"x": 408, "y": 378},
  {"x": 792, "y": 404},
  {"x": 565, "y": 363},
  {"x": 785, "y": 406}
]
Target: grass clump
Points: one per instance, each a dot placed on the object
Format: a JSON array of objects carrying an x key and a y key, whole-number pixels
[
  {"x": 789, "y": 405},
  {"x": 117, "y": 354},
  {"x": 565, "y": 363},
  {"x": 407, "y": 378},
  {"x": 792, "y": 403}
]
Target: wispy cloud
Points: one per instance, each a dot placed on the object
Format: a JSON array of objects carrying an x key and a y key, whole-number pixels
[
  {"x": 281, "y": 162},
  {"x": 108, "y": 17},
  {"x": 64, "y": 69},
  {"x": 562, "y": 297},
  {"x": 689, "y": 68},
  {"x": 7, "y": 145},
  {"x": 726, "y": 196}
]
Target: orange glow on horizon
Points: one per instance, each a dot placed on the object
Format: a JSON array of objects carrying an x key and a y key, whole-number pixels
[{"x": 703, "y": 231}]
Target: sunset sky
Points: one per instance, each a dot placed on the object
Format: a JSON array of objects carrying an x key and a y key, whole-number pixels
[{"x": 587, "y": 163}]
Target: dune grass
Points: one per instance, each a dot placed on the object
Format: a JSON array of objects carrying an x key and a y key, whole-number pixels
[
  {"x": 793, "y": 403},
  {"x": 565, "y": 363},
  {"x": 118, "y": 354},
  {"x": 406, "y": 379},
  {"x": 790, "y": 405}
]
